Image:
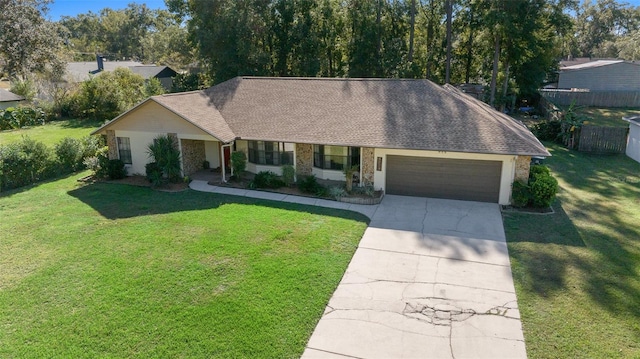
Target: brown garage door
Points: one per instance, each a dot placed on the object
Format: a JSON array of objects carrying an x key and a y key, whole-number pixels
[{"x": 469, "y": 180}]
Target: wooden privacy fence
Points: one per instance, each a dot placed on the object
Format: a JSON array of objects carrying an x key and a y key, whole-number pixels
[
  {"x": 549, "y": 110},
  {"x": 593, "y": 98},
  {"x": 603, "y": 139}
]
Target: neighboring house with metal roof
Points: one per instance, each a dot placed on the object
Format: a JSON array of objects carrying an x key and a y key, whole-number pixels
[
  {"x": 601, "y": 75},
  {"x": 81, "y": 71},
  {"x": 9, "y": 99},
  {"x": 408, "y": 137}
]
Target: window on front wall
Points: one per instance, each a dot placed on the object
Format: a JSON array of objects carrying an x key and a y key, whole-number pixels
[
  {"x": 124, "y": 149},
  {"x": 335, "y": 157},
  {"x": 270, "y": 153}
]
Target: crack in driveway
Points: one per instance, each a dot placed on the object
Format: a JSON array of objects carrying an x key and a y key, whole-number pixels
[{"x": 447, "y": 314}]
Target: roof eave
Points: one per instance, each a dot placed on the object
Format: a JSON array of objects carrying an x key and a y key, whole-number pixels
[
  {"x": 544, "y": 153},
  {"x": 104, "y": 127}
]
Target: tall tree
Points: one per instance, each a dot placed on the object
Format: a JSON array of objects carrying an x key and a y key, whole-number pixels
[
  {"x": 449, "y": 10},
  {"x": 598, "y": 24},
  {"x": 29, "y": 43},
  {"x": 412, "y": 29},
  {"x": 364, "y": 45}
]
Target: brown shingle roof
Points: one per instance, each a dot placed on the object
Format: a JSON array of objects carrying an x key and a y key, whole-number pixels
[
  {"x": 196, "y": 108},
  {"x": 388, "y": 113}
]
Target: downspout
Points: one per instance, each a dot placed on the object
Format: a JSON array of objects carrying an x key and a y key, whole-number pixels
[{"x": 224, "y": 174}]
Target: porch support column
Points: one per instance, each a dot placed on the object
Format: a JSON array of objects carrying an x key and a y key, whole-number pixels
[
  {"x": 523, "y": 164},
  {"x": 112, "y": 144},
  {"x": 304, "y": 159},
  {"x": 368, "y": 165}
]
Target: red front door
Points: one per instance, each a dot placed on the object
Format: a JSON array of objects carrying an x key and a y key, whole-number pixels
[{"x": 227, "y": 157}]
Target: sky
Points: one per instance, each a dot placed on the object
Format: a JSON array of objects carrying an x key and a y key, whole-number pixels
[{"x": 74, "y": 7}]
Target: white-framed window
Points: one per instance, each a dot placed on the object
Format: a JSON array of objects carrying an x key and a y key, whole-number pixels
[
  {"x": 270, "y": 153},
  {"x": 124, "y": 149},
  {"x": 335, "y": 157}
]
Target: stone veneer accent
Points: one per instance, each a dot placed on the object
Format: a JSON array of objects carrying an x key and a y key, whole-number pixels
[
  {"x": 368, "y": 165},
  {"x": 522, "y": 168},
  {"x": 113, "y": 145},
  {"x": 193, "y": 156},
  {"x": 304, "y": 159}
]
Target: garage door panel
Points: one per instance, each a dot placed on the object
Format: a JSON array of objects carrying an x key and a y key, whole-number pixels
[{"x": 472, "y": 180}]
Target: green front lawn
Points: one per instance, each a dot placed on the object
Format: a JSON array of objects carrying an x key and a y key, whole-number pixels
[
  {"x": 51, "y": 133},
  {"x": 577, "y": 272},
  {"x": 107, "y": 270}
]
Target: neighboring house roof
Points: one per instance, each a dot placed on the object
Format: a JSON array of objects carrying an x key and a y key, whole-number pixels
[
  {"x": 386, "y": 113},
  {"x": 574, "y": 61},
  {"x": 7, "y": 96},
  {"x": 81, "y": 71},
  {"x": 590, "y": 65},
  {"x": 150, "y": 71}
]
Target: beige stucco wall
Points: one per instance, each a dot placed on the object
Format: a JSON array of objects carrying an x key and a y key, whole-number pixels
[
  {"x": 151, "y": 117},
  {"x": 147, "y": 122},
  {"x": 508, "y": 166},
  {"x": 332, "y": 175},
  {"x": 212, "y": 153}
]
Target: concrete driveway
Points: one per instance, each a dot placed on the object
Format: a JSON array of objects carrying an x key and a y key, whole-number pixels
[{"x": 430, "y": 279}]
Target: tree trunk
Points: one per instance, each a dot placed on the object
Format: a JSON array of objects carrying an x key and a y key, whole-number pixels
[
  {"x": 494, "y": 74},
  {"x": 379, "y": 68},
  {"x": 430, "y": 31},
  {"x": 505, "y": 85},
  {"x": 412, "y": 29},
  {"x": 467, "y": 75},
  {"x": 330, "y": 57},
  {"x": 449, "y": 9}
]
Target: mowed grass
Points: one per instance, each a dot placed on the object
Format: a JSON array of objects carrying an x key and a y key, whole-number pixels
[
  {"x": 107, "y": 270},
  {"x": 608, "y": 117},
  {"x": 51, "y": 132},
  {"x": 577, "y": 272}
]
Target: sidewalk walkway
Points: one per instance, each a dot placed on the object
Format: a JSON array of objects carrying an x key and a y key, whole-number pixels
[{"x": 203, "y": 186}]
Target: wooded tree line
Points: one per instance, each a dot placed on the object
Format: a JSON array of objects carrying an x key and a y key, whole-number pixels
[
  {"x": 509, "y": 45},
  {"x": 136, "y": 32}
]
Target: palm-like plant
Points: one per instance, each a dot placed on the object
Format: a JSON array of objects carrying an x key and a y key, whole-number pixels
[{"x": 164, "y": 152}]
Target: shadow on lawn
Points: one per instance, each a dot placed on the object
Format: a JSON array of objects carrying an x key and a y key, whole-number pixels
[
  {"x": 600, "y": 257},
  {"x": 600, "y": 265},
  {"x": 116, "y": 201},
  {"x": 80, "y": 123}
]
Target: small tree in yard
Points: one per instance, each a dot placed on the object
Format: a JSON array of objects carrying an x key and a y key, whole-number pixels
[
  {"x": 165, "y": 154},
  {"x": 238, "y": 163}
]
